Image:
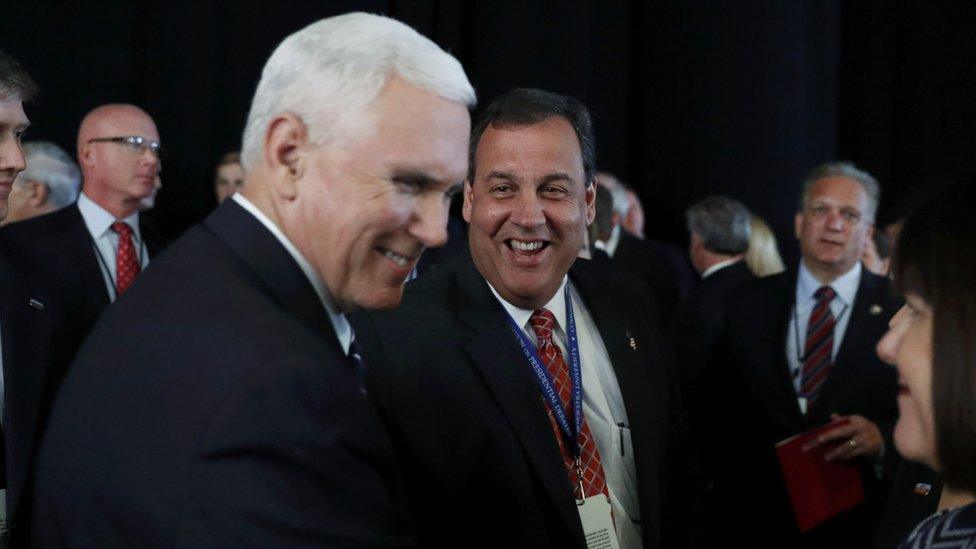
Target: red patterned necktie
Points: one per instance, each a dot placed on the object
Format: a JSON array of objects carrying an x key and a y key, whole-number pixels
[
  {"x": 818, "y": 351},
  {"x": 126, "y": 261},
  {"x": 594, "y": 482}
]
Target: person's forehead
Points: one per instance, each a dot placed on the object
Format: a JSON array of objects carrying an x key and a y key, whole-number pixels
[
  {"x": 838, "y": 189},
  {"x": 129, "y": 122},
  {"x": 12, "y": 112},
  {"x": 551, "y": 137}
]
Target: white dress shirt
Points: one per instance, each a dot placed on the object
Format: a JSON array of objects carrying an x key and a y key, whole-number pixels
[
  {"x": 603, "y": 407},
  {"x": 99, "y": 222},
  {"x": 717, "y": 267},
  {"x": 339, "y": 322},
  {"x": 845, "y": 287},
  {"x": 610, "y": 246}
]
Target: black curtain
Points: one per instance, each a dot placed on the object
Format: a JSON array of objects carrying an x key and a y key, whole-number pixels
[{"x": 689, "y": 98}]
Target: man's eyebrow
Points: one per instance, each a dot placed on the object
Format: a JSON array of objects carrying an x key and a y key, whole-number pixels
[
  {"x": 558, "y": 176},
  {"x": 418, "y": 177},
  {"x": 507, "y": 176}
]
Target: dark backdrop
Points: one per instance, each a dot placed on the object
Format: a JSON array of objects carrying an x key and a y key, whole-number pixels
[{"x": 689, "y": 97}]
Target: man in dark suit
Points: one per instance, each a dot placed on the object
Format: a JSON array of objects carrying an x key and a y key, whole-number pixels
[
  {"x": 719, "y": 238},
  {"x": 652, "y": 262},
  {"x": 80, "y": 251},
  {"x": 218, "y": 402},
  {"x": 458, "y": 371},
  {"x": 797, "y": 353},
  {"x": 27, "y": 312}
]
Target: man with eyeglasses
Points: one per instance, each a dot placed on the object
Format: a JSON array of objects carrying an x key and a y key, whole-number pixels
[
  {"x": 82, "y": 256},
  {"x": 798, "y": 353},
  {"x": 92, "y": 251}
]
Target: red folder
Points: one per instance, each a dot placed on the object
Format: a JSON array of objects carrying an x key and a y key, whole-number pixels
[{"x": 818, "y": 489}]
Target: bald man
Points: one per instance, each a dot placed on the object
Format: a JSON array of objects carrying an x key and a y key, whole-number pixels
[{"x": 89, "y": 252}]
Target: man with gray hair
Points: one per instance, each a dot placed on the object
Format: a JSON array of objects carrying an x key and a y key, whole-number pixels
[
  {"x": 49, "y": 183},
  {"x": 719, "y": 237},
  {"x": 797, "y": 353},
  {"x": 219, "y": 402}
]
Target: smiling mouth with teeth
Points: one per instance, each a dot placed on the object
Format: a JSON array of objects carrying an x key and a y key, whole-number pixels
[
  {"x": 520, "y": 246},
  {"x": 400, "y": 260}
]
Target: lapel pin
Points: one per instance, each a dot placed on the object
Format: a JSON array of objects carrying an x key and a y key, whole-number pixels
[
  {"x": 36, "y": 304},
  {"x": 633, "y": 342},
  {"x": 922, "y": 489},
  {"x": 875, "y": 309}
]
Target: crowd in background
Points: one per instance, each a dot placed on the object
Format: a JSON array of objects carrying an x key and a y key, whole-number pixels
[{"x": 260, "y": 382}]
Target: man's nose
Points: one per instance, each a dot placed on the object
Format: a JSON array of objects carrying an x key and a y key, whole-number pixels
[
  {"x": 528, "y": 211},
  {"x": 430, "y": 225}
]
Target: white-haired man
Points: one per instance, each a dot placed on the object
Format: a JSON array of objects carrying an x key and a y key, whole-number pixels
[
  {"x": 218, "y": 404},
  {"x": 49, "y": 183}
]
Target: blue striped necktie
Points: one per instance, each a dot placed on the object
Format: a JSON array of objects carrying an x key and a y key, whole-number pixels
[{"x": 818, "y": 352}]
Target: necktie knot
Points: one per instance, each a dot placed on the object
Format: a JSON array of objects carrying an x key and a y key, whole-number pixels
[
  {"x": 122, "y": 228},
  {"x": 825, "y": 293},
  {"x": 543, "y": 322}
]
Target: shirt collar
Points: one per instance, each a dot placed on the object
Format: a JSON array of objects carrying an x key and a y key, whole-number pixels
[
  {"x": 720, "y": 265},
  {"x": 556, "y": 305},
  {"x": 342, "y": 327},
  {"x": 98, "y": 220},
  {"x": 845, "y": 285},
  {"x": 610, "y": 246}
]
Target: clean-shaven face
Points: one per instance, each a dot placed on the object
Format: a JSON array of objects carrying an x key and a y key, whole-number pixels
[
  {"x": 368, "y": 208},
  {"x": 528, "y": 206}
]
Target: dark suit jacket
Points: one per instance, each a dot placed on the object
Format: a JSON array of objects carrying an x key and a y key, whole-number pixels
[
  {"x": 756, "y": 407},
  {"x": 58, "y": 252},
  {"x": 694, "y": 328},
  {"x": 470, "y": 426},
  {"x": 647, "y": 262},
  {"x": 212, "y": 406},
  {"x": 906, "y": 507},
  {"x": 697, "y": 320},
  {"x": 26, "y": 314}
]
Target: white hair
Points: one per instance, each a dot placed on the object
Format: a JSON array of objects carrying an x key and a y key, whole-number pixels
[
  {"x": 329, "y": 73},
  {"x": 621, "y": 204},
  {"x": 49, "y": 165}
]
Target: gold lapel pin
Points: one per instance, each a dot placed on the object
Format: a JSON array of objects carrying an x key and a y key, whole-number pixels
[{"x": 875, "y": 309}]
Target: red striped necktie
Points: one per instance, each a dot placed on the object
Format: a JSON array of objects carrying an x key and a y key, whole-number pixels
[{"x": 818, "y": 352}]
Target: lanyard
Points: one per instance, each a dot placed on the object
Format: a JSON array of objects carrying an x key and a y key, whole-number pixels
[{"x": 570, "y": 431}]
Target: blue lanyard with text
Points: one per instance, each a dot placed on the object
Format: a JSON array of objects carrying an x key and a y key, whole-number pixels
[{"x": 545, "y": 379}]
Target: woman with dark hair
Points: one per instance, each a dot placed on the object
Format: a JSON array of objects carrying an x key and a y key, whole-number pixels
[{"x": 932, "y": 340}]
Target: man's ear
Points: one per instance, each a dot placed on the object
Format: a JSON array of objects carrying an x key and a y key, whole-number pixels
[
  {"x": 797, "y": 223},
  {"x": 37, "y": 193},
  {"x": 285, "y": 145},
  {"x": 590, "y": 202},
  {"x": 466, "y": 205},
  {"x": 86, "y": 155}
]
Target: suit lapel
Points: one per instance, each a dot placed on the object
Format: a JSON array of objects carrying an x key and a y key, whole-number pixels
[
  {"x": 644, "y": 400},
  {"x": 507, "y": 376},
  {"x": 24, "y": 335},
  {"x": 80, "y": 242},
  {"x": 274, "y": 268},
  {"x": 860, "y": 328}
]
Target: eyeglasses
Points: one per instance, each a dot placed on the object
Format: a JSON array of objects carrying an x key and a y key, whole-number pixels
[{"x": 135, "y": 143}]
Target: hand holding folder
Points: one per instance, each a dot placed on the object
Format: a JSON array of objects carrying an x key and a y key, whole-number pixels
[{"x": 818, "y": 489}]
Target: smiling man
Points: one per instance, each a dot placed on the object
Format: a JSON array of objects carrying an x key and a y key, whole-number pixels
[
  {"x": 797, "y": 354},
  {"x": 218, "y": 403},
  {"x": 476, "y": 375}
]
